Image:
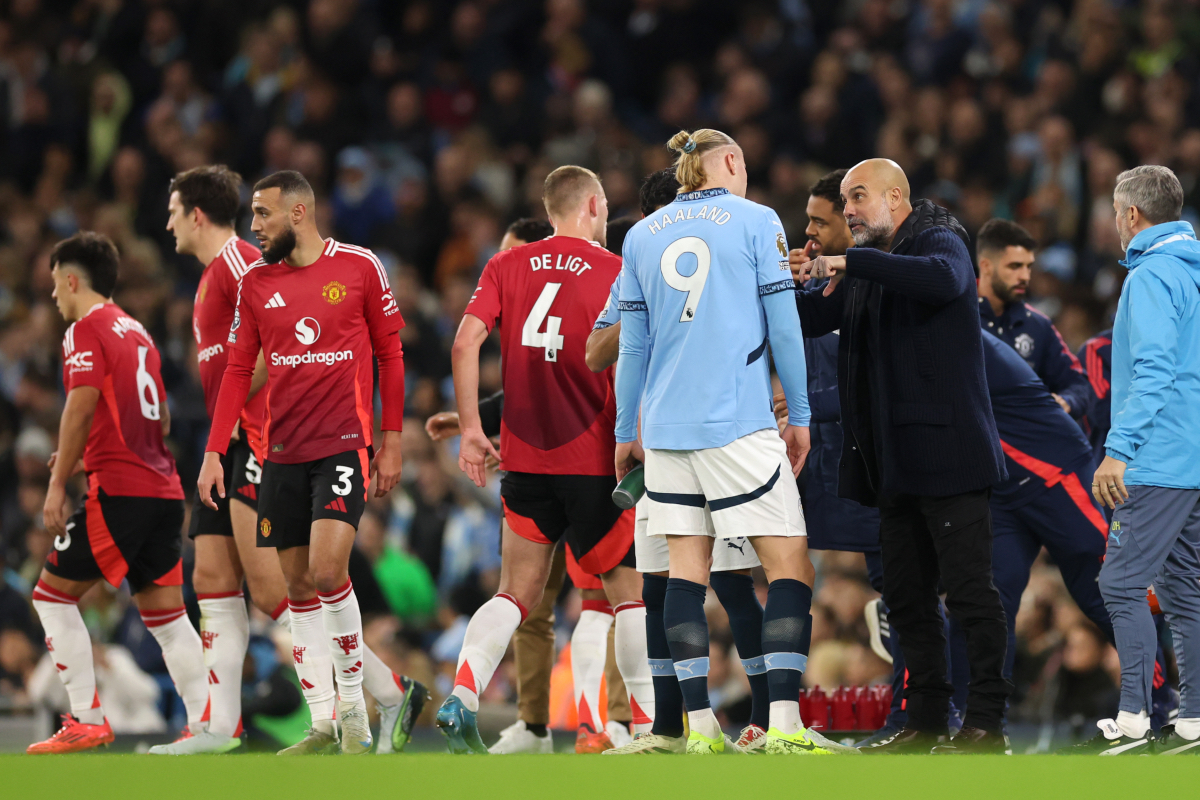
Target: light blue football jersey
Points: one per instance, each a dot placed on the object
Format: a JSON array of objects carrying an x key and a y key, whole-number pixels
[{"x": 704, "y": 286}]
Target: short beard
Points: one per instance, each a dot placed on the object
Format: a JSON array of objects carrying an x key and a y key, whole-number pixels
[
  {"x": 877, "y": 234},
  {"x": 281, "y": 248},
  {"x": 1004, "y": 292}
]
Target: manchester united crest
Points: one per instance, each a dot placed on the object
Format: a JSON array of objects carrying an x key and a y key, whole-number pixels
[
  {"x": 264, "y": 527},
  {"x": 334, "y": 293}
]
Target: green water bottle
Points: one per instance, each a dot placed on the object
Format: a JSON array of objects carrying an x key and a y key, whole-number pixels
[{"x": 631, "y": 488}]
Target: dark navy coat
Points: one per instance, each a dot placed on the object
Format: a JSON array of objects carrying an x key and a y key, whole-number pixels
[
  {"x": 1034, "y": 337},
  {"x": 1042, "y": 445},
  {"x": 909, "y": 323},
  {"x": 833, "y": 523}
]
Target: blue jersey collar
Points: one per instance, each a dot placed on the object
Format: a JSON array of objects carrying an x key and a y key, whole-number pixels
[
  {"x": 1154, "y": 237},
  {"x": 702, "y": 194}
]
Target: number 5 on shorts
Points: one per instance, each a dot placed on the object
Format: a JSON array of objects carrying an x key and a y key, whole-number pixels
[{"x": 343, "y": 486}]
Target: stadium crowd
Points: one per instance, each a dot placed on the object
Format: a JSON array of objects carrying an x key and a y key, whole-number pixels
[{"x": 426, "y": 127}]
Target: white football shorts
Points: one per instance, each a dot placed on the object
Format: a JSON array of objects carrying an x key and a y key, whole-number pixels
[
  {"x": 653, "y": 555},
  {"x": 745, "y": 488}
]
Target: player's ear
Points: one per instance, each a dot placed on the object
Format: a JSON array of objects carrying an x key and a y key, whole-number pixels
[{"x": 594, "y": 205}]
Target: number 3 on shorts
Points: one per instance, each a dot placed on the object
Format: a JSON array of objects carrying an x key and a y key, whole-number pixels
[{"x": 343, "y": 486}]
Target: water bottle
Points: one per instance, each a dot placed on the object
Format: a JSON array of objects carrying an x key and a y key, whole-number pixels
[{"x": 631, "y": 488}]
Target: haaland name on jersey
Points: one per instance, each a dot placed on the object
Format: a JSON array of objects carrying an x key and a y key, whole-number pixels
[{"x": 715, "y": 215}]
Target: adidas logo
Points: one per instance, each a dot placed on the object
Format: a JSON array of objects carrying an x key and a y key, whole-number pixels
[
  {"x": 337, "y": 505},
  {"x": 248, "y": 491},
  {"x": 276, "y": 301}
]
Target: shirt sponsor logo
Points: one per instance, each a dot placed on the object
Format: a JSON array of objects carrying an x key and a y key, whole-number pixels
[
  {"x": 80, "y": 362},
  {"x": 308, "y": 330},
  {"x": 389, "y": 304},
  {"x": 334, "y": 293},
  {"x": 327, "y": 357},
  {"x": 209, "y": 353}
]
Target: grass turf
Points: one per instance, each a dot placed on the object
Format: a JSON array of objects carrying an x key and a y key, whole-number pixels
[{"x": 131, "y": 777}]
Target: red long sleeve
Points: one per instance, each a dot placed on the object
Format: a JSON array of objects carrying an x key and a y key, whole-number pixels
[
  {"x": 390, "y": 356},
  {"x": 235, "y": 388}
]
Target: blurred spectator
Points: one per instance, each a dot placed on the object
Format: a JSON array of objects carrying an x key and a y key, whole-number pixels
[{"x": 360, "y": 200}]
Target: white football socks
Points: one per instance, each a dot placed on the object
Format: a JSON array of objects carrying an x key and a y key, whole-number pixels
[
  {"x": 487, "y": 637},
  {"x": 70, "y": 646},
  {"x": 184, "y": 656},
  {"x": 589, "y": 651},
  {"x": 313, "y": 661},
  {"x": 282, "y": 616},
  {"x": 705, "y": 723},
  {"x": 1135, "y": 726},
  {"x": 632, "y": 661},
  {"x": 785, "y": 715},
  {"x": 379, "y": 680},
  {"x": 225, "y": 634},
  {"x": 343, "y": 631}
]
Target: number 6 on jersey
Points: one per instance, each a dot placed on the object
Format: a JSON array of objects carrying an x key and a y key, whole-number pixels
[
  {"x": 550, "y": 338},
  {"x": 692, "y": 284}
]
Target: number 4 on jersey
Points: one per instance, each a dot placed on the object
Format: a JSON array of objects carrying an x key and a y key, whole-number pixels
[{"x": 550, "y": 339}]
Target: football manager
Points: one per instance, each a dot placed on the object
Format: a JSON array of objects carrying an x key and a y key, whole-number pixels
[{"x": 920, "y": 442}]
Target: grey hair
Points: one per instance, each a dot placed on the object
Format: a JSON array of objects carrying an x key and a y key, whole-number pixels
[{"x": 1151, "y": 189}]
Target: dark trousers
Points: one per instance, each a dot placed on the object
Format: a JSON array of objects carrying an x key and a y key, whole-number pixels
[
  {"x": 947, "y": 540},
  {"x": 1072, "y": 528}
]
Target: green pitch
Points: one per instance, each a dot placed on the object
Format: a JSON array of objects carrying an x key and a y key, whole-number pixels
[{"x": 571, "y": 777}]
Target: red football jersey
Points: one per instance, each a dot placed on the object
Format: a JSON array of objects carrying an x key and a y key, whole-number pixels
[
  {"x": 125, "y": 453},
  {"x": 212, "y": 314},
  {"x": 315, "y": 325},
  {"x": 558, "y": 414}
]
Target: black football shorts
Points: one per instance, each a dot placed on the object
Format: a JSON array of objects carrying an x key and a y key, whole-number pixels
[
  {"x": 546, "y": 508},
  {"x": 121, "y": 538},
  {"x": 292, "y": 496},
  {"x": 243, "y": 474}
]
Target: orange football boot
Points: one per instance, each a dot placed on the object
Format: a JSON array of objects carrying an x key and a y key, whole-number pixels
[
  {"x": 73, "y": 737},
  {"x": 588, "y": 741}
]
